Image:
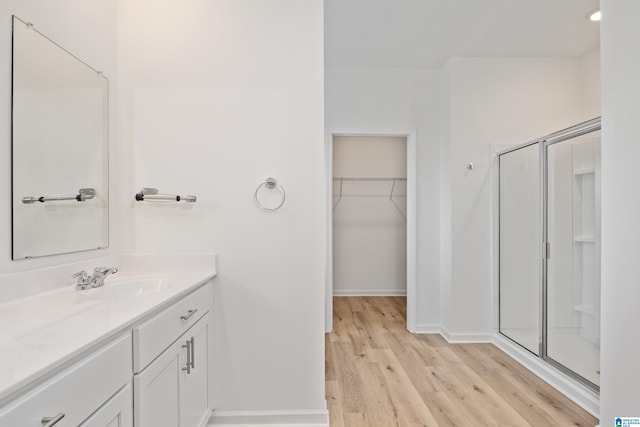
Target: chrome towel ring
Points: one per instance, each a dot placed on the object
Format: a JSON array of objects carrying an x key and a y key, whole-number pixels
[{"x": 270, "y": 184}]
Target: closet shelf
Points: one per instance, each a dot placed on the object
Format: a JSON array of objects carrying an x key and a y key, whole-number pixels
[{"x": 393, "y": 180}]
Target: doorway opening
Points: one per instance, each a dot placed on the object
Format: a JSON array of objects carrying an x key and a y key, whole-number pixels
[{"x": 371, "y": 217}]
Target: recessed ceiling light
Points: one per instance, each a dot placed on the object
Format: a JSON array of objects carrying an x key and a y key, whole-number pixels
[{"x": 595, "y": 15}]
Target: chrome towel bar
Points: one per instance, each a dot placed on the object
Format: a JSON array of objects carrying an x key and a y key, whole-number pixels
[
  {"x": 152, "y": 195},
  {"x": 84, "y": 194}
]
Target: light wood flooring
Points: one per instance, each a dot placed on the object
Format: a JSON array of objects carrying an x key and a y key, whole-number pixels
[{"x": 379, "y": 375}]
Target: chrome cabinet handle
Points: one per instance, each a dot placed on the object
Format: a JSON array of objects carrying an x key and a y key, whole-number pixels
[
  {"x": 189, "y": 314},
  {"x": 51, "y": 421},
  {"x": 192, "y": 341},
  {"x": 187, "y": 368}
]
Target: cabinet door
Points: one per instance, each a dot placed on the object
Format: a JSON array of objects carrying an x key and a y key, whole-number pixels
[
  {"x": 156, "y": 400},
  {"x": 117, "y": 412},
  {"x": 76, "y": 392},
  {"x": 194, "y": 385}
]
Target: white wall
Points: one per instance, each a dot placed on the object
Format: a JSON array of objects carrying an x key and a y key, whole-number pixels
[
  {"x": 215, "y": 97},
  {"x": 491, "y": 101},
  {"x": 370, "y": 156},
  {"x": 590, "y": 70},
  {"x": 399, "y": 100},
  {"x": 369, "y": 230},
  {"x": 87, "y": 30},
  {"x": 620, "y": 347},
  {"x": 446, "y": 116}
]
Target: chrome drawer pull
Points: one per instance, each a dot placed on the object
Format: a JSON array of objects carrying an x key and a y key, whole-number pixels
[
  {"x": 187, "y": 345},
  {"x": 51, "y": 421},
  {"x": 193, "y": 352},
  {"x": 189, "y": 314}
]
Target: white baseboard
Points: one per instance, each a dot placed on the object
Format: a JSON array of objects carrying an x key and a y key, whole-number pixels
[
  {"x": 270, "y": 419},
  {"x": 581, "y": 395},
  {"x": 369, "y": 293},
  {"x": 426, "y": 328},
  {"x": 470, "y": 338},
  {"x": 453, "y": 338}
]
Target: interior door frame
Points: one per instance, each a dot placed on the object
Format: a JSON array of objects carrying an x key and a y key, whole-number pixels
[{"x": 411, "y": 218}]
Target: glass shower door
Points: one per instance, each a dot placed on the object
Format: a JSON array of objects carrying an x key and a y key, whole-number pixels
[
  {"x": 520, "y": 247},
  {"x": 573, "y": 272}
]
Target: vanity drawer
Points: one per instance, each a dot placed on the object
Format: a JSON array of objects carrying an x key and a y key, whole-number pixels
[
  {"x": 76, "y": 392},
  {"x": 153, "y": 336}
]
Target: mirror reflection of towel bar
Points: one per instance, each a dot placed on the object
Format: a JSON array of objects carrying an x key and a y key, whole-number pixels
[
  {"x": 152, "y": 195},
  {"x": 84, "y": 194}
]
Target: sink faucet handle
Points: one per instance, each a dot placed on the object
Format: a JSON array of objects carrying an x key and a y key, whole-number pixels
[
  {"x": 105, "y": 270},
  {"x": 83, "y": 278},
  {"x": 101, "y": 273},
  {"x": 80, "y": 275}
]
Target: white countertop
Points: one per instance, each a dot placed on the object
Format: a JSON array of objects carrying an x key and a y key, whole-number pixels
[{"x": 42, "y": 332}]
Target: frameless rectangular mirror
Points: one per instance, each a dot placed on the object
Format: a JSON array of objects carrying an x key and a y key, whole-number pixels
[{"x": 59, "y": 149}]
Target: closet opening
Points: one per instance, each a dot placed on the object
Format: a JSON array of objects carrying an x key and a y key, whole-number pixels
[{"x": 371, "y": 220}]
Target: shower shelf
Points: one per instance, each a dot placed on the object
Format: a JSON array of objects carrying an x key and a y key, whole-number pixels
[
  {"x": 584, "y": 239},
  {"x": 584, "y": 172},
  {"x": 586, "y": 309}
]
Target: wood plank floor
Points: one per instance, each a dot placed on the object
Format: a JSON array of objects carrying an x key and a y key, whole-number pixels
[{"x": 379, "y": 375}]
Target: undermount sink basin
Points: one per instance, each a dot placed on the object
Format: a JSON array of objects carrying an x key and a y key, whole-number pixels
[{"x": 118, "y": 288}]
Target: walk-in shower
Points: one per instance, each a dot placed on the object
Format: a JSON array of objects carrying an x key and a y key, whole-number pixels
[{"x": 549, "y": 225}]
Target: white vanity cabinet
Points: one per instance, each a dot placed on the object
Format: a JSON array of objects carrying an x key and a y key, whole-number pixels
[
  {"x": 93, "y": 392},
  {"x": 171, "y": 363},
  {"x": 100, "y": 359},
  {"x": 117, "y": 412}
]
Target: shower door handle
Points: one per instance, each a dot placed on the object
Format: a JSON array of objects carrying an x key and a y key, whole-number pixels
[{"x": 546, "y": 250}]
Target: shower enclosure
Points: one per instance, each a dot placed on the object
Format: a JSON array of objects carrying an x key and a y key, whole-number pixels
[{"x": 549, "y": 274}]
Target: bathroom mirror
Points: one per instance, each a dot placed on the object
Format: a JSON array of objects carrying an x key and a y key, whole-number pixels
[{"x": 59, "y": 132}]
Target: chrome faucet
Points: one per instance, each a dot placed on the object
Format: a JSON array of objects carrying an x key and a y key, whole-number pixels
[
  {"x": 99, "y": 274},
  {"x": 84, "y": 281}
]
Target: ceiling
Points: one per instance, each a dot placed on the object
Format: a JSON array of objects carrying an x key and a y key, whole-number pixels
[{"x": 424, "y": 33}]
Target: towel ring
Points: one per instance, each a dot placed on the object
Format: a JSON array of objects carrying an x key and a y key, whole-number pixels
[{"x": 270, "y": 184}]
